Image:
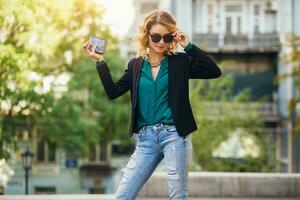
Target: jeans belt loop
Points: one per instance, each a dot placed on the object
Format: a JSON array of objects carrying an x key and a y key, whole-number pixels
[
  {"x": 144, "y": 129},
  {"x": 161, "y": 125}
]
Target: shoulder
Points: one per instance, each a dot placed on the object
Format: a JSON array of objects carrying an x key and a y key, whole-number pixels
[
  {"x": 135, "y": 61},
  {"x": 180, "y": 56}
]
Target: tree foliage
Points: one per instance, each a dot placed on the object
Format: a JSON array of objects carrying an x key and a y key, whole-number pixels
[
  {"x": 40, "y": 48},
  {"x": 218, "y": 115},
  {"x": 292, "y": 59}
]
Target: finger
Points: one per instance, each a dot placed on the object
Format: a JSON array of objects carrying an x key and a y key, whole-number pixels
[
  {"x": 89, "y": 46},
  {"x": 85, "y": 44},
  {"x": 94, "y": 48},
  {"x": 88, "y": 50},
  {"x": 174, "y": 34},
  {"x": 181, "y": 36},
  {"x": 177, "y": 37},
  {"x": 178, "y": 33}
]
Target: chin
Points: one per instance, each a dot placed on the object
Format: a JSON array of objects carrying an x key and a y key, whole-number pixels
[{"x": 158, "y": 50}]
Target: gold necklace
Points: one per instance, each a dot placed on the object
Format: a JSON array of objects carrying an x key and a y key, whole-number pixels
[{"x": 154, "y": 65}]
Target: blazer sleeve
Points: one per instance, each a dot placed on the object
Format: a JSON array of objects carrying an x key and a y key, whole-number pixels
[
  {"x": 113, "y": 89},
  {"x": 201, "y": 65}
]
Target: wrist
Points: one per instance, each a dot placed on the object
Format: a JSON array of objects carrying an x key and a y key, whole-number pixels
[
  {"x": 188, "y": 46},
  {"x": 99, "y": 59},
  {"x": 100, "y": 63},
  {"x": 185, "y": 45}
]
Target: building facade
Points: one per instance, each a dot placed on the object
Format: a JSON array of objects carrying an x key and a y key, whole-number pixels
[
  {"x": 249, "y": 34},
  {"x": 55, "y": 171}
]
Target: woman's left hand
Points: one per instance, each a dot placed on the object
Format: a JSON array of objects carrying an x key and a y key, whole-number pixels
[{"x": 182, "y": 38}]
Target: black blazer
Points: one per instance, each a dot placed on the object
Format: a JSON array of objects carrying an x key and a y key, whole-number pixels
[{"x": 194, "y": 64}]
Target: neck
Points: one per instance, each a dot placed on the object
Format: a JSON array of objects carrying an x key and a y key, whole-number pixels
[{"x": 154, "y": 56}]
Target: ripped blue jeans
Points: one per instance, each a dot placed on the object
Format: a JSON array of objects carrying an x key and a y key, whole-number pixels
[{"x": 154, "y": 143}]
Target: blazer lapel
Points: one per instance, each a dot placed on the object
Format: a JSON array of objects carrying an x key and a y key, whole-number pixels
[
  {"x": 171, "y": 71},
  {"x": 136, "y": 76}
]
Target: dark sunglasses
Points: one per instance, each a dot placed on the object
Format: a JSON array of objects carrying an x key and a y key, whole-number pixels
[{"x": 156, "y": 37}]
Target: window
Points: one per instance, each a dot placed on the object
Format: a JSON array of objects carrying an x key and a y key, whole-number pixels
[
  {"x": 239, "y": 25},
  {"x": 256, "y": 10},
  {"x": 210, "y": 18},
  {"x": 51, "y": 152},
  {"x": 103, "y": 152},
  {"x": 98, "y": 152},
  {"x": 228, "y": 24},
  {"x": 92, "y": 152},
  {"x": 46, "y": 151},
  {"x": 256, "y": 14},
  {"x": 209, "y": 26},
  {"x": 209, "y": 9},
  {"x": 44, "y": 190},
  {"x": 22, "y": 134},
  {"x": 41, "y": 151},
  {"x": 256, "y": 26}
]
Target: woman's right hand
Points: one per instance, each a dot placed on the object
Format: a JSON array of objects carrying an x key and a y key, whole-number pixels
[{"x": 91, "y": 53}]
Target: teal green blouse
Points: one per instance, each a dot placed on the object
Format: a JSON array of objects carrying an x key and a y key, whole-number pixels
[{"x": 153, "y": 95}]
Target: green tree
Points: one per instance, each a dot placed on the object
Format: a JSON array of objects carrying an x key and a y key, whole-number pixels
[
  {"x": 218, "y": 115},
  {"x": 292, "y": 59},
  {"x": 41, "y": 40}
]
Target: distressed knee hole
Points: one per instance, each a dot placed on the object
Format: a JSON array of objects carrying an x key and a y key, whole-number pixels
[
  {"x": 172, "y": 173},
  {"x": 124, "y": 179},
  {"x": 174, "y": 176},
  {"x": 132, "y": 162},
  {"x": 173, "y": 149}
]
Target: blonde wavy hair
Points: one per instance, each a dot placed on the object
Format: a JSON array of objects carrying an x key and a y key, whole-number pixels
[{"x": 155, "y": 17}]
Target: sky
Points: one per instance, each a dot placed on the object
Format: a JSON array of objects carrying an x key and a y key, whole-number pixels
[{"x": 119, "y": 15}]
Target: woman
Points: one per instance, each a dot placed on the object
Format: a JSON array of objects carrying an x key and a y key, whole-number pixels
[{"x": 161, "y": 118}]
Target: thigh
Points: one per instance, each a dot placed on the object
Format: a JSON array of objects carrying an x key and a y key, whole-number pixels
[
  {"x": 177, "y": 152},
  {"x": 139, "y": 168}
]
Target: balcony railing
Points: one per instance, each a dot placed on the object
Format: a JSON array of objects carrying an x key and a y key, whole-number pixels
[
  {"x": 259, "y": 42},
  {"x": 268, "y": 111}
]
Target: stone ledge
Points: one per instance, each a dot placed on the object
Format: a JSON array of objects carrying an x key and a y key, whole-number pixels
[
  {"x": 216, "y": 185},
  {"x": 223, "y": 184}
]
